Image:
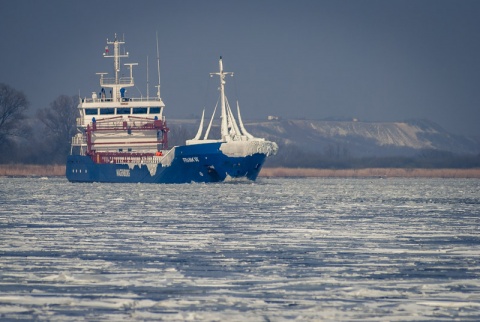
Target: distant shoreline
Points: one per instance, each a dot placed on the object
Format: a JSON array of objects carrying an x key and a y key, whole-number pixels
[
  {"x": 371, "y": 172},
  {"x": 30, "y": 170}
]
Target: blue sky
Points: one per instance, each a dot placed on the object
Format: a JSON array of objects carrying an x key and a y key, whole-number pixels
[{"x": 370, "y": 60}]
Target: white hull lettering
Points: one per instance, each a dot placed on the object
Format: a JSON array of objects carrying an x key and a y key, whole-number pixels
[
  {"x": 123, "y": 173},
  {"x": 190, "y": 160}
]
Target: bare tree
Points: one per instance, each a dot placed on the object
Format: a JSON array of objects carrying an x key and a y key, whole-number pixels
[
  {"x": 13, "y": 104},
  {"x": 60, "y": 125}
]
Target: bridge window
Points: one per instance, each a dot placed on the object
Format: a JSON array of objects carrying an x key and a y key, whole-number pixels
[
  {"x": 91, "y": 111},
  {"x": 123, "y": 110},
  {"x": 139, "y": 110},
  {"x": 154, "y": 110},
  {"x": 106, "y": 111}
]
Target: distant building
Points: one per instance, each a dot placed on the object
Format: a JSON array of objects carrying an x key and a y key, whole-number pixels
[{"x": 273, "y": 118}]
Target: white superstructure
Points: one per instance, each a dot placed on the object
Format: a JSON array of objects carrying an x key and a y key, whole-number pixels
[{"x": 113, "y": 122}]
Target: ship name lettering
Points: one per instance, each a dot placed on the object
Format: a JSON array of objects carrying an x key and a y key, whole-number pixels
[
  {"x": 123, "y": 173},
  {"x": 191, "y": 159}
]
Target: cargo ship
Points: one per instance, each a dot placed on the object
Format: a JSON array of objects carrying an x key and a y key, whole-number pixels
[{"x": 124, "y": 139}]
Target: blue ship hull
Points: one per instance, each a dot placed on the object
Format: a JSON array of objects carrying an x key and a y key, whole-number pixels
[{"x": 192, "y": 163}]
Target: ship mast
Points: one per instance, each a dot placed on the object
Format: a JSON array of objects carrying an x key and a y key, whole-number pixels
[
  {"x": 116, "y": 56},
  {"x": 118, "y": 82},
  {"x": 222, "y": 74},
  {"x": 158, "y": 71}
]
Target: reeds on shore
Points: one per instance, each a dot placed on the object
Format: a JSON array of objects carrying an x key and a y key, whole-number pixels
[
  {"x": 56, "y": 170},
  {"x": 372, "y": 172},
  {"x": 32, "y": 170}
]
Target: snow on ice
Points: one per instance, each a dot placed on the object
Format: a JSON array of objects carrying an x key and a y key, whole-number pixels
[{"x": 277, "y": 249}]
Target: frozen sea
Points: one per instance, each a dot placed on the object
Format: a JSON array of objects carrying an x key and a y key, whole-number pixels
[{"x": 278, "y": 249}]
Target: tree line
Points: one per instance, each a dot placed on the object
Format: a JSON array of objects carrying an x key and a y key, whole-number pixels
[{"x": 44, "y": 137}]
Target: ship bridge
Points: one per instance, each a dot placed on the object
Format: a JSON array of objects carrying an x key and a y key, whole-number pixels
[{"x": 112, "y": 122}]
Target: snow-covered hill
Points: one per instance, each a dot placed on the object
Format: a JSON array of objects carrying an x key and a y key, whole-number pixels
[
  {"x": 365, "y": 138},
  {"x": 348, "y": 137}
]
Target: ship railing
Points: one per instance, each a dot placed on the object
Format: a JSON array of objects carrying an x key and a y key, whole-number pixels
[
  {"x": 96, "y": 100},
  {"x": 116, "y": 124},
  {"x": 79, "y": 140},
  {"x": 131, "y": 159},
  {"x": 110, "y": 81},
  {"x": 121, "y": 99},
  {"x": 143, "y": 99},
  {"x": 168, "y": 158}
]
